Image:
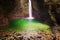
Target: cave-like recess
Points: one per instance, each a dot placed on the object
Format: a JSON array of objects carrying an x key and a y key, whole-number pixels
[{"x": 14, "y": 7}]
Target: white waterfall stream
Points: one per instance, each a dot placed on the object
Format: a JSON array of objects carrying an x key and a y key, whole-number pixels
[{"x": 30, "y": 10}]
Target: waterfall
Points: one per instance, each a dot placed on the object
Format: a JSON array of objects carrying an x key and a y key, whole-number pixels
[{"x": 30, "y": 10}]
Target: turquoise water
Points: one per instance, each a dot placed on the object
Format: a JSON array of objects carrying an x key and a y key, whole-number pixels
[{"x": 25, "y": 24}]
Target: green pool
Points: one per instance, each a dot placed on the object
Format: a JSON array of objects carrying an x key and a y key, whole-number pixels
[{"x": 25, "y": 24}]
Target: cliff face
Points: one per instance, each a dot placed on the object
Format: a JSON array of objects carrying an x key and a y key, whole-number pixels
[{"x": 14, "y": 9}]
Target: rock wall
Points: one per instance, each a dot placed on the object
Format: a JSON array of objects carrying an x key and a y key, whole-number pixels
[{"x": 14, "y": 9}]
